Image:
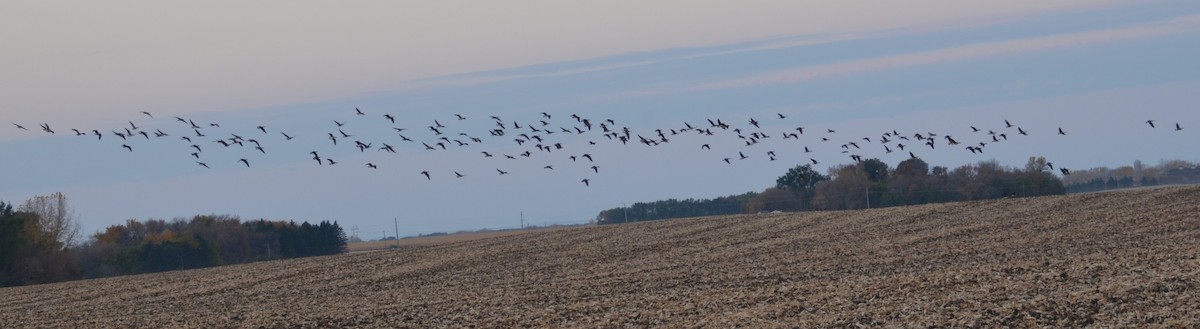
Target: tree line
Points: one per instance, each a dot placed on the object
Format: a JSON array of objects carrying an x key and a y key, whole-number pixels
[
  {"x": 37, "y": 243},
  {"x": 1137, "y": 175},
  {"x": 869, "y": 183}
]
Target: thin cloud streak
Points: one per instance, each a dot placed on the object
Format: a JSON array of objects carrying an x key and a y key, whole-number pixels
[{"x": 968, "y": 52}]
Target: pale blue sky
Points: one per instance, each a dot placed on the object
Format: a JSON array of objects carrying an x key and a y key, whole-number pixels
[{"x": 1097, "y": 69}]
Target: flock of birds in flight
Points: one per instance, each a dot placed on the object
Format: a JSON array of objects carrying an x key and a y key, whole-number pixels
[{"x": 538, "y": 137}]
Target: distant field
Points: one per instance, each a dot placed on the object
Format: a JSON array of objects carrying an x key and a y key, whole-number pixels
[
  {"x": 442, "y": 239},
  {"x": 1114, "y": 259}
]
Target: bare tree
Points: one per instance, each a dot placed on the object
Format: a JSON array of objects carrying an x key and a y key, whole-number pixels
[{"x": 56, "y": 220}]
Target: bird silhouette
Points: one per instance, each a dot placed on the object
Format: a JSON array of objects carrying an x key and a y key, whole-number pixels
[
  {"x": 586, "y": 182},
  {"x": 127, "y": 147},
  {"x": 426, "y": 173},
  {"x": 502, "y": 172},
  {"x": 1061, "y": 132},
  {"x": 148, "y": 114},
  {"x": 285, "y": 135},
  {"x": 1178, "y": 127},
  {"x": 358, "y": 112},
  {"x": 46, "y": 128},
  {"x": 596, "y": 169},
  {"x": 19, "y": 126},
  {"x": 1151, "y": 123},
  {"x": 390, "y": 118},
  {"x": 205, "y": 165},
  {"x": 247, "y": 162},
  {"x": 371, "y": 165}
]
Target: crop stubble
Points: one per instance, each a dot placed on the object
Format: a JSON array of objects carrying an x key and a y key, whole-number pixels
[{"x": 1109, "y": 259}]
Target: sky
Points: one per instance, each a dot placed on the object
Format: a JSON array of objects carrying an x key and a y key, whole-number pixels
[{"x": 1097, "y": 69}]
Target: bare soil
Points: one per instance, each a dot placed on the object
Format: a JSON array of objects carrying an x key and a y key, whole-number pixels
[{"x": 1117, "y": 259}]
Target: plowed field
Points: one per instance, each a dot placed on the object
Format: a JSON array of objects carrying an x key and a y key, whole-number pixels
[{"x": 1117, "y": 259}]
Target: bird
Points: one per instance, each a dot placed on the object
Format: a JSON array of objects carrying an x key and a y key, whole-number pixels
[
  {"x": 148, "y": 114},
  {"x": 247, "y": 162},
  {"x": 459, "y": 116},
  {"x": 331, "y": 162},
  {"x": 46, "y": 128},
  {"x": 781, "y": 116},
  {"x": 705, "y": 147},
  {"x": 359, "y": 112},
  {"x": 264, "y": 129},
  {"x": 1064, "y": 171},
  {"x": 19, "y": 126},
  {"x": 586, "y": 182},
  {"x": 205, "y": 165},
  {"x": 339, "y": 124},
  {"x": 126, "y": 146},
  {"x": 371, "y": 165},
  {"x": 1150, "y": 122},
  {"x": 502, "y": 172},
  {"x": 285, "y": 135},
  {"x": 596, "y": 169},
  {"x": 1178, "y": 127},
  {"x": 426, "y": 173},
  {"x": 1061, "y": 132}
]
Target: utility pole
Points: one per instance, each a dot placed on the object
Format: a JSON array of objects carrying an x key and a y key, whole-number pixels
[
  {"x": 397, "y": 223},
  {"x": 868, "y": 189},
  {"x": 522, "y": 219}
]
